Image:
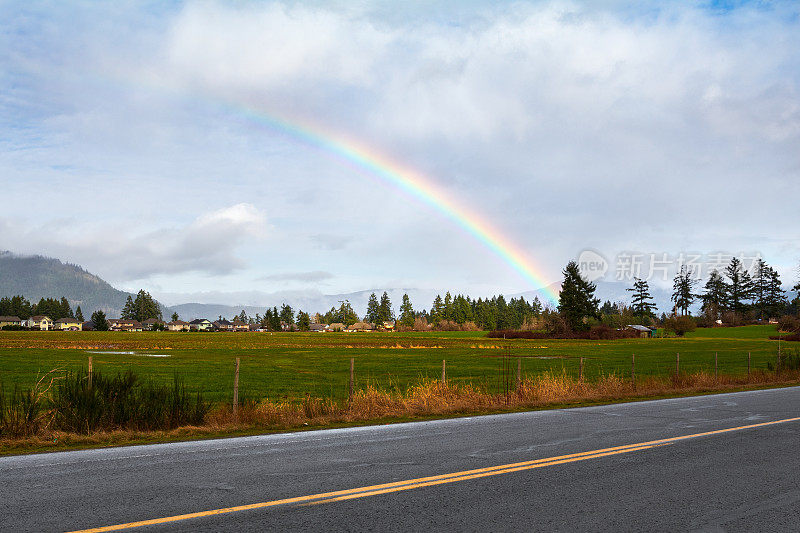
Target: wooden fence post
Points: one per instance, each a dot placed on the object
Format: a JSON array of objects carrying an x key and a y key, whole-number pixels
[
  {"x": 519, "y": 372},
  {"x": 236, "y": 392},
  {"x": 90, "y": 372},
  {"x": 748, "y": 366},
  {"x": 633, "y": 370},
  {"x": 677, "y": 364},
  {"x": 444, "y": 371},
  {"x": 580, "y": 371},
  {"x": 352, "y": 378},
  {"x": 716, "y": 372}
]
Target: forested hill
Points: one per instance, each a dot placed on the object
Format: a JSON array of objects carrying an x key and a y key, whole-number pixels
[{"x": 38, "y": 277}]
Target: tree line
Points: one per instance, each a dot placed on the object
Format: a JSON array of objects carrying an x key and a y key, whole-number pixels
[
  {"x": 54, "y": 308},
  {"x": 733, "y": 296}
]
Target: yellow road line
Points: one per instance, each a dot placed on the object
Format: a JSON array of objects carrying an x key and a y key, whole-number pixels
[{"x": 396, "y": 486}]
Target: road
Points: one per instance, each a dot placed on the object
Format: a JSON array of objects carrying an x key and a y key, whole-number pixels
[{"x": 617, "y": 467}]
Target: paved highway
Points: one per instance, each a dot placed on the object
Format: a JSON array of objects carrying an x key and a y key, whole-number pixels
[{"x": 621, "y": 467}]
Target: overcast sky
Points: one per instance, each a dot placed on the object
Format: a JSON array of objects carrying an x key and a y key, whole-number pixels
[{"x": 566, "y": 125}]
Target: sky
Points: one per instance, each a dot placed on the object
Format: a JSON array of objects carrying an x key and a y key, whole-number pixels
[{"x": 192, "y": 148}]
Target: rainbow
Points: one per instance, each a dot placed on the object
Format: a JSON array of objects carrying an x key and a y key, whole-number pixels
[
  {"x": 381, "y": 166},
  {"x": 407, "y": 180}
]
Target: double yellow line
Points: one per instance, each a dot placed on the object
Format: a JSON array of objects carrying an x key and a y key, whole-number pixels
[{"x": 397, "y": 486}]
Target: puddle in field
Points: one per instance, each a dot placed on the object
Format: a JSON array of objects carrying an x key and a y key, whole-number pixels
[{"x": 132, "y": 353}]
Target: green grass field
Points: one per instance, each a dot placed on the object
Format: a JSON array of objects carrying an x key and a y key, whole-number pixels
[{"x": 291, "y": 365}]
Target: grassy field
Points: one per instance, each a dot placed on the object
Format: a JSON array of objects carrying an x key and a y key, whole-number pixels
[{"x": 288, "y": 366}]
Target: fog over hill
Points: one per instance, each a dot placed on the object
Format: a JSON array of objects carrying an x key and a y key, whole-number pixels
[{"x": 36, "y": 277}]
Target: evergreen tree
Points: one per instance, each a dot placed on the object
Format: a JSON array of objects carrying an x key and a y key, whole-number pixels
[
  {"x": 275, "y": 319},
  {"x": 769, "y": 298},
  {"x": 287, "y": 314},
  {"x": 740, "y": 286},
  {"x": 79, "y": 314},
  {"x": 144, "y": 307},
  {"x": 386, "y": 314},
  {"x": 175, "y": 317},
  {"x": 65, "y": 309},
  {"x": 373, "y": 310},
  {"x": 407, "y": 312},
  {"x": 576, "y": 301},
  {"x": 641, "y": 300},
  {"x": 303, "y": 321},
  {"x": 682, "y": 290},
  {"x": 447, "y": 311},
  {"x": 128, "y": 310},
  {"x": 437, "y": 310},
  {"x": 715, "y": 299},
  {"x": 776, "y": 296},
  {"x": 99, "y": 321}
]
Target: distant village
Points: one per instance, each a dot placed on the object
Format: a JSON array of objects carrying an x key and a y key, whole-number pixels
[{"x": 45, "y": 323}]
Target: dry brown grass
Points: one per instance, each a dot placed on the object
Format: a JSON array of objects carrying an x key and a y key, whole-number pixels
[{"x": 429, "y": 398}]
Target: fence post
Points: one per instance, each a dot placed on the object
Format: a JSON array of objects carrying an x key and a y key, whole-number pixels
[
  {"x": 519, "y": 372},
  {"x": 236, "y": 392},
  {"x": 580, "y": 371},
  {"x": 748, "y": 366},
  {"x": 677, "y": 364},
  {"x": 633, "y": 370},
  {"x": 90, "y": 371},
  {"x": 444, "y": 371},
  {"x": 352, "y": 378},
  {"x": 716, "y": 374}
]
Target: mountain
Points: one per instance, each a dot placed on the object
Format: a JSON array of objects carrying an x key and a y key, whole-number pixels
[
  {"x": 309, "y": 301},
  {"x": 38, "y": 277}
]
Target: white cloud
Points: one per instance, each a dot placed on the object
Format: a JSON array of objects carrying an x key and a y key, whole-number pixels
[
  {"x": 567, "y": 125},
  {"x": 207, "y": 245}
]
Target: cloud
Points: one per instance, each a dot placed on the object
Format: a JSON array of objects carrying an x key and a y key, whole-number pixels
[
  {"x": 328, "y": 241},
  {"x": 565, "y": 125},
  {"x": 207, "y": 245},
  {"x": 315, "y": 275}
]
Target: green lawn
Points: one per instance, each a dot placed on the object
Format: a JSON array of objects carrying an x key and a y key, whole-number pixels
[{"x": 291, "y": 365}]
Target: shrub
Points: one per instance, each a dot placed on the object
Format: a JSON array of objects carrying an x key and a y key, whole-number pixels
[
  {"x": 680, "y": 325},
  {"x": 789, "y": 323},
  {"x": 595, "y": 333}
]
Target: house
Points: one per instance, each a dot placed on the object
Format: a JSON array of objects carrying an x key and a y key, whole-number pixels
[
  {"x": 68, "y": 324},
  {"x": 10, "y": 321},
  {"x": 388, "y": 326},
  {"x": 644, "y": 331},
  {"x": 337, "y": 326},
  {"x": 201, "y": 324},
  {"x": 238, "y": 325},
  {"x": 87, "y": 326},
  {"x": 124, "y": 324},
  {"x": 360, "y": 326},
  {"x": 151, "y": 323},
  {"x": 223, "y": 325},
  {"x": 317, "y": 327},
  {"x": 41, "y": 322},
  {"x": 178, "y": 325}
]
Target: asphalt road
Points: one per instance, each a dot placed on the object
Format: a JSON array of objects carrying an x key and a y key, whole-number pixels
[{"x": 744, "y": 479}]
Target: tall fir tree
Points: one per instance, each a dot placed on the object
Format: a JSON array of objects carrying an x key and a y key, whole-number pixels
[
  {"x": 373, "y": 310},
  {"x": 740, "y": 286},
  {"x": 576, "y": 301},
  {"x": 715, "y": 298},
  {"x": 437, "y": 310},
  {"x": 99, "y": 321},
  {"x": 641, "y": 299},
  {"x": 386, "y": 314},
  {"x": 683, "y": 290},
  {"x": 407, "y": 312},
  {"x": 128, "y": 310},
  {"x": 79, "y": 314}
]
